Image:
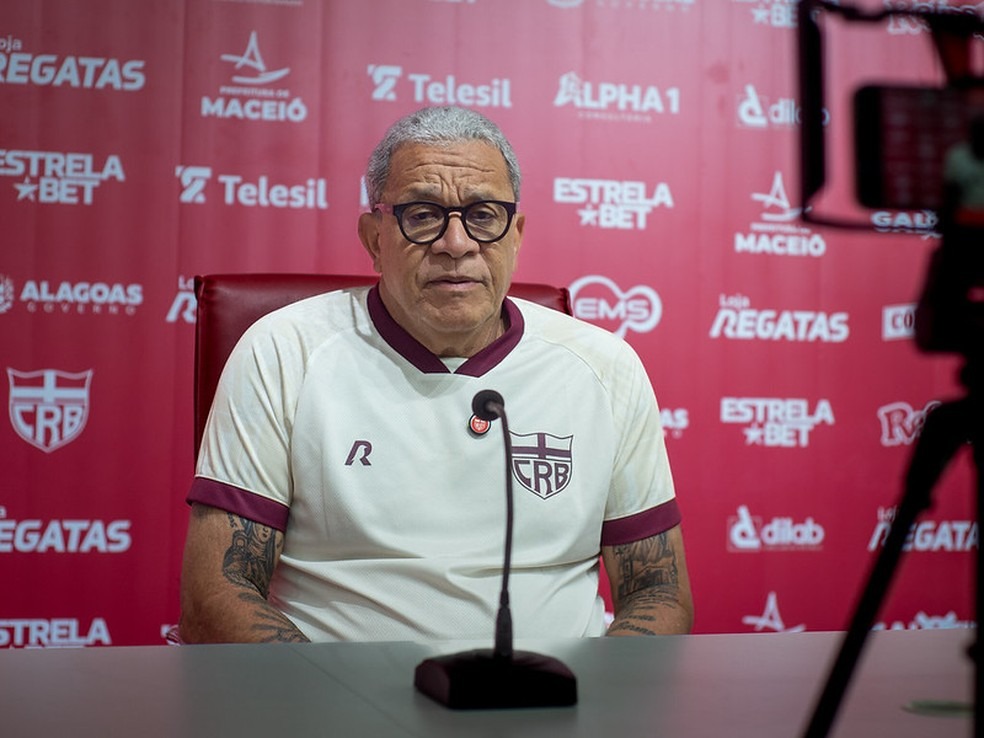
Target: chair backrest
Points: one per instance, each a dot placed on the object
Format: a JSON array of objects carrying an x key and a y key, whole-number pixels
[{"x": 229, "y": 303}]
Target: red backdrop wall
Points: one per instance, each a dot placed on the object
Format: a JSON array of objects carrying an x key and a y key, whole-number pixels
[{"x": 144, "y": 143}]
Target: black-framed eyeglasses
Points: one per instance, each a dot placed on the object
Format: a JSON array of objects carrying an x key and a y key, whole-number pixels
[{"x": 425, "y": 222}]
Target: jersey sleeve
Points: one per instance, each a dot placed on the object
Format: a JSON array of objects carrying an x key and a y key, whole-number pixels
[
  {"x": 642, "y": 499},
  {"x": 244, "y": 460}
]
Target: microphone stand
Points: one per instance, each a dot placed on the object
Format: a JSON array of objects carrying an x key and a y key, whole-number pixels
[{"x": 500, "y": 677}]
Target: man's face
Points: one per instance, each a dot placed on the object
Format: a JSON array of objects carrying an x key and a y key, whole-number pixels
[{"x": 448, "y": 294}]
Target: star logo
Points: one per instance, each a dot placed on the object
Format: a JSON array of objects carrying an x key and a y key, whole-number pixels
[
  {"x": 26, "y": 190},
  {"x": 589, "y": 216},
  {"x": 760, "y": 15},
  {"x": 754, "y": 435}
]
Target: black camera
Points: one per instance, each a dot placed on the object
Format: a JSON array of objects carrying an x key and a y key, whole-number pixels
[{"x": 918, "y": 152}]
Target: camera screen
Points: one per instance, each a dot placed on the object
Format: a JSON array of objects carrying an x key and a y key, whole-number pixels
[{"x": 902, "y": 137}]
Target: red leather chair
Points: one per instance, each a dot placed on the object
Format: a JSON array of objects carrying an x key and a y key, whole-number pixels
[{"x": 229, "y": 303}]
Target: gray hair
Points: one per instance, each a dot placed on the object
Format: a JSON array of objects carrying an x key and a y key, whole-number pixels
[{"x": 437, "y": 126}]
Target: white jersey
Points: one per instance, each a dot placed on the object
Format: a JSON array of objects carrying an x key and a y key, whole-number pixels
[{"x": 334, "y": 425}]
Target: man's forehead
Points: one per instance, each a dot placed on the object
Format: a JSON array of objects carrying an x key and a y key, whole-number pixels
[
  {"x": 474, "y": 164},
  {"x": 438, "y": 148}
]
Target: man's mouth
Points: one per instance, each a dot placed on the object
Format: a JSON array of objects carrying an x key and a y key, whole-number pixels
[{"x": 452, "y": 282}]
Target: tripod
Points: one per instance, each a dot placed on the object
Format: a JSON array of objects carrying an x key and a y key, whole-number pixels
[{"x": 947, "y": 320}]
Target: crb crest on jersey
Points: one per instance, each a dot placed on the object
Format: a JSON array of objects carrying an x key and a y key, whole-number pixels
[{"x": 542, "y": 462}]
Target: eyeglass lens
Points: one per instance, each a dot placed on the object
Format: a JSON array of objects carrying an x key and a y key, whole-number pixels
[{"x": 423, "y": 222}]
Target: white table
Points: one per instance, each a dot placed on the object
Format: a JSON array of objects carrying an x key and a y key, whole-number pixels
[{"x": 755, "y": 685}]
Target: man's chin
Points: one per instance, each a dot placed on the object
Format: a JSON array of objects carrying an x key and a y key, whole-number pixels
[{"x": 459, "y": 313}]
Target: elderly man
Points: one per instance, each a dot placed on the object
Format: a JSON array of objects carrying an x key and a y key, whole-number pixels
[{"x": 344, "y": 491}]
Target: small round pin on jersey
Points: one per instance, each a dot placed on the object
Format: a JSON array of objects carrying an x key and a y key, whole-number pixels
[{"x": 477, "y": 426}]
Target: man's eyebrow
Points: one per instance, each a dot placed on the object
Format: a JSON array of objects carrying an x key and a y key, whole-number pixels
[
  {"x": 433, "y": 194},
  {"x": 422, "y": 191}
]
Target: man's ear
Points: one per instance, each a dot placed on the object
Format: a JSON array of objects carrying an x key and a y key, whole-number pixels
[
  {"x": 520, "y": 225},
  {"x": 369, "y": 235}
]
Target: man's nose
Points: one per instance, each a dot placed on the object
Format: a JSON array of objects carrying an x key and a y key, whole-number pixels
[{"x": 455, "y": 240}]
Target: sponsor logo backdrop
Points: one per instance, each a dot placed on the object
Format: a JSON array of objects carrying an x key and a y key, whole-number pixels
[{"x": 143, "y": 144}]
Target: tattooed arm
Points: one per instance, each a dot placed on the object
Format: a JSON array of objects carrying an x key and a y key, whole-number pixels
[
  {"x": 225, "y": 580},
  {"x": 650, "y": 585}
]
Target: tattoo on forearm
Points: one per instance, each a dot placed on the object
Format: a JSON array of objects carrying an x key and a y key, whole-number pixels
[
  {"x": 249, "y": 560},
  {"x": 649, "y": 572},
  {"x": 270, "y": 625},
  {"x": 248, "y": 563}
]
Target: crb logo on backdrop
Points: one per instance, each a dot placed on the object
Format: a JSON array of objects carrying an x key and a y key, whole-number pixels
[
  {"x": 260, "y": 193},
  {"x": 82, "y": 298},
  {"x": 184, "y": 304},
  {"x": 616, "y": 101},
  {"x": 776, "y": 422},
  {"x": 776, "y": 232},
  {"x": 610, "y": 203},
  {"x": 737, "y": 320},
  {"x": 18, "y": 67},
  {"x": 775, "y": 13},
  {"x": 898, "y": 321},
  {"x": 542, "y": 463},
  {"x": 599, "y": 300},
  {"x": 901, "y": 423},
  {"x": 924, "y": 621},
  {"x": 53, "y": 633},
  {"x": 747, "y": 533},
  {"x": 927, "y": 535},
  {"x": 771, "y": 619},
  {"x": 48, "y": 407},
  {"x": 449, "y": 90},
  {"x": 755, "y": 111},
  {"x": 58, "y": 177},
  {"x": 250, "y": 98},
  {"x": 63, "y": 536}
]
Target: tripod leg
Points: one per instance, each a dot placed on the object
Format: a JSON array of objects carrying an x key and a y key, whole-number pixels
[
  {"x": 977, "y": 440},
  {"x": 946, "y": 429}
]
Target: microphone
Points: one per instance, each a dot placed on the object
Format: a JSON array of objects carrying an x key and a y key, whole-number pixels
[
  {"x": 489, "y": 405},
  {"x": 497, "y": 678}
]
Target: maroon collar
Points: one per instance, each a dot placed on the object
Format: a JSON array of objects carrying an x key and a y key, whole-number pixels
[{"x": 417, "y": 354}]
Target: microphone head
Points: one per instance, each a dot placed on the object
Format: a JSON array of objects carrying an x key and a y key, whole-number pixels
[{"x": 487, "y": 403}]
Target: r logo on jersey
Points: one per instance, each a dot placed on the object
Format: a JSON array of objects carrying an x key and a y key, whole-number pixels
[
  {"x": 541, "y": 462},
  {"x": 359, "y": 452}
]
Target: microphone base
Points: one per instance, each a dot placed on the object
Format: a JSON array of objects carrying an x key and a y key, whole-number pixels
[{"x": 479, "y": 680}]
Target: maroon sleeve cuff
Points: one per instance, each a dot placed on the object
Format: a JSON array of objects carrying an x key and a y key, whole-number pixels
[
  {"x": 648, "y": 523},
  {"x": 240, "y": 502}
]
